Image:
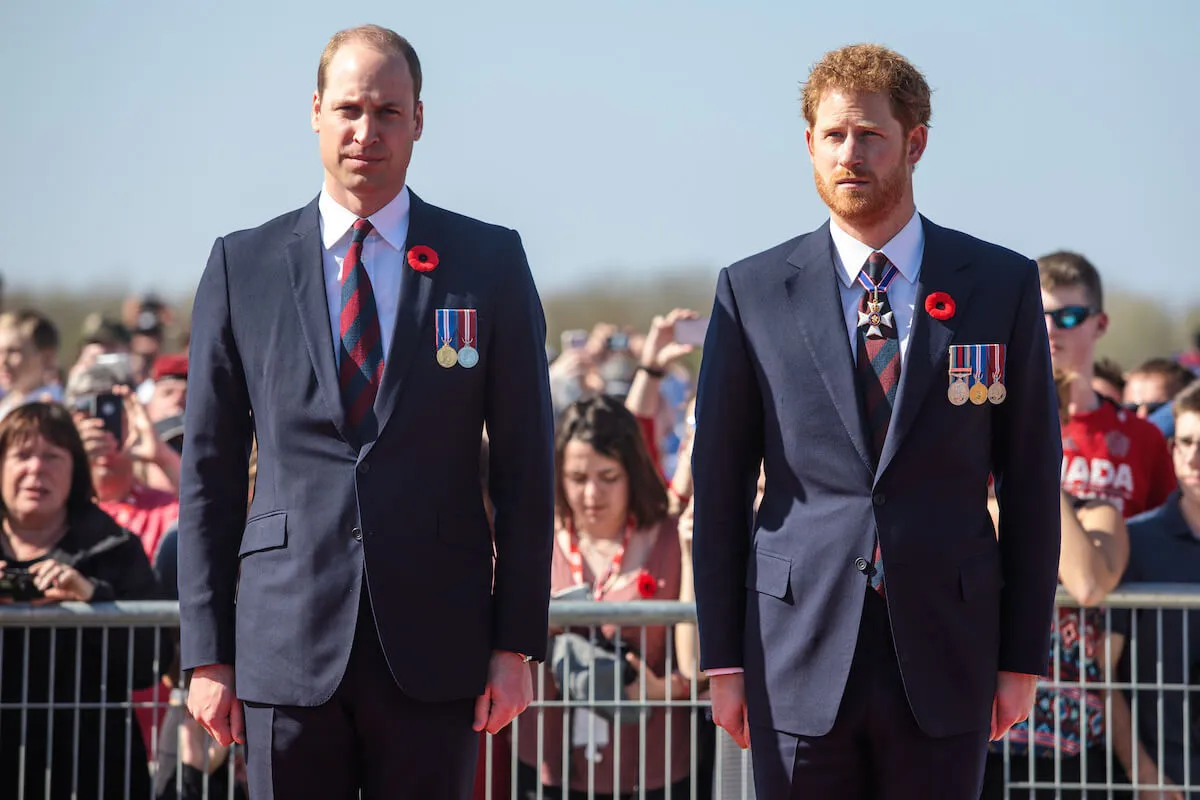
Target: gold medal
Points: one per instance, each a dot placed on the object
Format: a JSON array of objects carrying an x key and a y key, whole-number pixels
[
  {"x": 447, "y": 356},
  {"x": 979, "y": 394},
  {"x": 997, "y": 393}
]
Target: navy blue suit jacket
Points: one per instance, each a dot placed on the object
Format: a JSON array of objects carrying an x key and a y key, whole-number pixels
[
  {"x": 277, "y": 593},
  {"x": 780, "y": 594}
]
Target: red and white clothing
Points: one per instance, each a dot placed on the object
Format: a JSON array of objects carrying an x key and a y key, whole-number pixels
[
  {"x": 146, "y": 513},
  {"x": 1111, "y": 454}
]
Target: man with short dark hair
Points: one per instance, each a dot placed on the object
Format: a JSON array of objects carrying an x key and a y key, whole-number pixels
[
  {"x": 1164, "y": 548},
  {"x": 1153, "y": 384},
  {"x": 866, "y": 629},
  {"x": 365, "y": 340}
]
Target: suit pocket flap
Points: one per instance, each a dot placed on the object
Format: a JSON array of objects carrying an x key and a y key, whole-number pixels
[
  {"x": 980, "y": 575},
  {"x": 265, "y": 532},
  {"x": 772, "y": 573}
]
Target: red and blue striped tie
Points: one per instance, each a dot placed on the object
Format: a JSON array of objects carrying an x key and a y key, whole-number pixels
[
  {"x": 878, "y": 367},
  {"x": 361, "y": 351}
]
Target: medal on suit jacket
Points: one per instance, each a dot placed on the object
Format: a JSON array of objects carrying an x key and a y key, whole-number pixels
[
  {"x": 996, "y": 356},
  {"x": 960, "y": 370},
  {"x": 447, "y": 325},
  {"x": 468, "y": 356},
  {"x": 979, "y": 391}
]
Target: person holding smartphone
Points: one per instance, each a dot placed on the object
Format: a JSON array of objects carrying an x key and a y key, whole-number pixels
[{"x": 117, "y": 436}]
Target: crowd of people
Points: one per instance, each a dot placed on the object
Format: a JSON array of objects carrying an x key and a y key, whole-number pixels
[{"x": 91, "y": 456}]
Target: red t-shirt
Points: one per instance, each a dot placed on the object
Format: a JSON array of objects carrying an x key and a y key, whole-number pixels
[
  {"x": 146, "y": 513},
  {"x": 1113, "y": 455}
]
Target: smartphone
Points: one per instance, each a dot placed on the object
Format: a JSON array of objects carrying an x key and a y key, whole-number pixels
[
  {"x": 618, "y": 341},
  {"x": 691, "y": 331},
  {"x": 110, "y": 409},
  {"x": 574, "y": 340}
]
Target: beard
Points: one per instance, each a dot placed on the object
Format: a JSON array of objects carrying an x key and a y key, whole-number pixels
[{"x": 867, "y": 205}]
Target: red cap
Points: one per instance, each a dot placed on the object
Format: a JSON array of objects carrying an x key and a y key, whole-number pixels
[{"x": 171, "y": 366}]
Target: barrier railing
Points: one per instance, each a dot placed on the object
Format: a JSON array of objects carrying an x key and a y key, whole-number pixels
[{"x": 80, "y": 693}]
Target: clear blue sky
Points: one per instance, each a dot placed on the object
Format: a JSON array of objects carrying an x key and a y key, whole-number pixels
[{"x": 622, "y": 137}]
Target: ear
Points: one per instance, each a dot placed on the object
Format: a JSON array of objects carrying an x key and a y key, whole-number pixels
[
  {"x": 918, "y": 138},
  {"x": 1101, "y": 324},
  {"x": 419, "y": 119},
  {"x": 315, "y": 119},
  {"x": 808, "y": 140}
]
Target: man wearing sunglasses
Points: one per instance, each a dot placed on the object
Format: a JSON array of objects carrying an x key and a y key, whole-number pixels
[
  {"x": 1153, "y": 385},
  {"x": 1108, "y": 452}
]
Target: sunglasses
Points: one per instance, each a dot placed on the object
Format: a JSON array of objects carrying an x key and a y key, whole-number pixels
[
  {"x": 1069, "y": 317},
  {"x": 1134, "y": 408}
]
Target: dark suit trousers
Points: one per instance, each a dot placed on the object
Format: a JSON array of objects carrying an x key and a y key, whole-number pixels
[
  {"x": 369, "y": 737},
  {"x": 875, "y": 750}
]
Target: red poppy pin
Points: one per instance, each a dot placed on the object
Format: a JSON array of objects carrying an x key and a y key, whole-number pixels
[
  {"x": 647, "y": 584},
  {"x": 422, "y": 258},
  {"x": 939, "y": 305}
]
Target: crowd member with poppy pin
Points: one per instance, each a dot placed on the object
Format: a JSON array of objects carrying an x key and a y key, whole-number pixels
[
  {"x": 314, "y": 334},
  {"x": 866, "y": 631},
  {"x": 615, "y": 543}
]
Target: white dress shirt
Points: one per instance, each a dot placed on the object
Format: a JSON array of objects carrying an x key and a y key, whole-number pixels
[
  {"x": 382, "y": 257},
  {"x": 905, "y": 250}
]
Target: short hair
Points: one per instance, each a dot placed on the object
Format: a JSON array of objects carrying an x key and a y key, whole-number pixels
[
  {"x": 43, "y": 332},
  {"x": 1187, "y": 401},
  {"x": 54, "y": 424},
  {"x": 1110, "y": 371},
  {"x": 604, "y": 423},
  {"x": 1063, "y": 269},
  {"x": 869, "y": 68},
  {"x": 105, "y": 332},
  {"x": 22, "y": 326},
  {"x": 376, "y": 37},
  {"x": 1175, "y": 374}
]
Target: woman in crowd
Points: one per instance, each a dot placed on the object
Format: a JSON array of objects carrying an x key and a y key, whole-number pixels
[
  {"x": 58, "y": 546},
  {"x": 1068, "y": 723},
  {"x": 615, "y": 542}
]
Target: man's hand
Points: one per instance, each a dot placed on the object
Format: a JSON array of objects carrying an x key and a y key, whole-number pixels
[
  {"x": 509, "y": 692},
  {"x": 212, "y": 703},
  {"x": 729, "y": 706},
  {"x": 1014, "y": 699}
]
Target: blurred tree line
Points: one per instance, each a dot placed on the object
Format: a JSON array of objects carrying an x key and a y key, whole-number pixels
[{"x": 1141, "y": 327}]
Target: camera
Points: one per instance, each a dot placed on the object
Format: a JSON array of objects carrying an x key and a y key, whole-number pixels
[{"x": 17, "y": 583}]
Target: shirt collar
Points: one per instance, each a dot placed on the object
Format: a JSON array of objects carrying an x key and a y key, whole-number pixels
[
  {"x": 1172, "y": 516},
  {"x": 390, "y": 222},
  {"x": 904, "y": 250}
]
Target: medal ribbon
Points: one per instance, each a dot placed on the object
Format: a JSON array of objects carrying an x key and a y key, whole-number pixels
[
  {"x": 447, "y": 326},
  {"x": 997, "y": 357},
  {"x": 575, "y": 560},
  {"x": 884, "y": 282},
  {"x": 980, "y": 366},
  {"x": 466, "y": 326}
]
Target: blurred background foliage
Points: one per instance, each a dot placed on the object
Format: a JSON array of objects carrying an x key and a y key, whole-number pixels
[{"x": 1141, "y": 327}]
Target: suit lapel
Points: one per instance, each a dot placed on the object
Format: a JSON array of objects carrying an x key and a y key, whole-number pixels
[
  {"x": 942, "y": 270},
  {"x": 414, "y": 313},
  {"x": 307, "y": 273},
  {"x": 814, "y": 295}
]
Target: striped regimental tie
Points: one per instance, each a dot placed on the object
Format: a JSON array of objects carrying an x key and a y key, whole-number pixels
[{"x": 361, "y": 351}]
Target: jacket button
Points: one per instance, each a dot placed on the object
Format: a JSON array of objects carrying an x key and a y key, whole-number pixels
[
  {"x": 879, "y": 498},
  {"x": 357, "y": 533},
  {"x": 860, "y": 564},
  {"x": 364, "y": 467}
]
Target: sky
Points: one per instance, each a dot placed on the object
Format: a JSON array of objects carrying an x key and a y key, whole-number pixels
[{"x": 622, "y": 138}]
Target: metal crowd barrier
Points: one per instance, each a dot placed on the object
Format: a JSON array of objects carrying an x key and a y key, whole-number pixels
[{"x": 69, "y": 712}]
